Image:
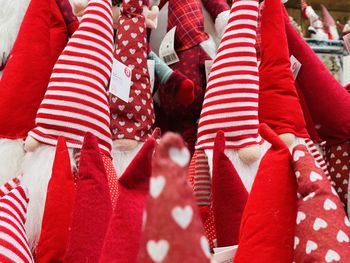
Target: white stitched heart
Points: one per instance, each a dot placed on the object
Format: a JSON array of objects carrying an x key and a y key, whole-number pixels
[
  {"x": 319, "y": 223},
  {"x": 332, "y": 256},
  {"x": 205, "y": 246},
  {"x": 143, "y": 117},
  {"x": 181, "y": 157},
  {"x": 121, "y": 107},
  {"x": 296, "y": 242},
  {"x": 129, "y": 130},
  {"x": 300, "y": 217},
  {"x": 297, "y": 155},
  {"x": 137, "y": 124},
  {"x": 141, "y": 29},
  {"x": 133, "y": 35},
  {"x": 126, "y": 27},
  {"x": 139, "y": 44},
  {"x": 337, "y": 161},
  {"x": 114, "y": 116},
  {"x": 120, "y": 36},
  {"x": 345, "y": 168},
  {"x": 156, "y": 186},
  {"x": 157, "y": 250},
  {"x": 114, "y": 99},
  {"x": 310, "y": 246},
  {"x": 125, "y": 43},
  {"x": 329, "y": 204},
  {"x": 143, "y": 85},
  {"x": 137, "y": 92},
  {"x": 342, "y": 237},
  {"x": 182, "y": 216},
  {"x": 123, "y": 58},
  {"x": 117, "y": 51},
  {"x": 138, "y": 76},
  {"x": 137, "y": 108},
  {"x": 132, "y": 51},
  {"x": 139, "y": 60},
  {"x": 129, "y": 115},
  {"x": 135, "y": 19},
  {"x": 143, "y": 102},
  {"x": 315, "y": 177},
  {"x": 120, "y": 136},
  {"x": 122, "y": 123},
  {"x": 137, "y": 138}
]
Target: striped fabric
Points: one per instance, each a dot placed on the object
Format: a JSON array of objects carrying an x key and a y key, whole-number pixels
[
  {"x": 8, "y": 186},
  {"x": 13, "y": 240},
  {"x": 202, "y": 180},
  {"x": 317, "y": 156},
  {"x": 76, "y": 100},
  {"x": 231, "y": 99}
]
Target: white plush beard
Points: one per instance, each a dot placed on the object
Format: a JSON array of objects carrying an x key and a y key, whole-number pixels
[{"x": 37, "y": 171}]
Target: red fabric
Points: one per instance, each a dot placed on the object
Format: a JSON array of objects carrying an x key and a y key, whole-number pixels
[
  {"x": 188, "y": 18},
  {"x": 323, "y": 230},
  {"x": 268, "y": 223},
  {"x": 215, "y": 7},
  {"x": 173, "y": 231},
  {"x": 58, "y": 208},
  {"x": 92, "y": 207},
  {"x": 338, "y": 162},
  {"x": 112, "y": 178},
  {"x": 229, "y": 196},
  {"x": 327, "y": 100},
  {"x": 124, "y": 231},
  {"x": 135, "y": 118},
  {"x": 28, "y": 69},
  {"x": 279, "y": 105},
  {"x": 209, "y": 225},
  {"x": 70, "y": 19}
]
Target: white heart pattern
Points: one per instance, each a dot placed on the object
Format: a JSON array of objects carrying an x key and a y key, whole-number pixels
[
  {"x": 181, "y": 157},
  {"x": 319, "y": 223},
  {"x": 157, "y": 250},
  {"x": 205, "y": 246},
  {"x": 310, "y": 246},
  {"x": 156, "y": 186},
  {"x": 342, "y": 237},
  {"x": 297, "y": 155},
  {"x": 300, "y": 217},
  {"x": 182, "y": 216},
  {"x": 296, "y": 242},
  {"x": 315, "y": 177},
  {"x": 332, "y": 256},
  {"x": 329, "y": 205}
]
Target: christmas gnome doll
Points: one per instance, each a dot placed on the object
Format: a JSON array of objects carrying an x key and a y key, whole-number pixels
[
  {"x": 40, "y": 40},
  {"x": 331, "y": 123},
  {"x": 322, "y": 227},
  {"x": 172, "y": 229},
  {"x": 330, "y": 27},
  {"x": 75, "y": 103}
]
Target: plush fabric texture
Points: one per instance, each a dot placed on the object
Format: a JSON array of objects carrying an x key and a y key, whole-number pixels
[
  {"x": 279, "y": 105},
  {"x": 188, "y": 18},
  {"x": 173, "y": 231},
  {"x": 135, "y": 118},
  {"x": 323, "y": 229},
  {"x": 112, "y": 178},
  {"x": 13, "y": 240},
  {"x": 202, "y": 181},
  {"x": 58, "y": 208},
  {"x": 215, "y": 7},
  {"x": 8, "y": 186},
  {"x": 231, "y": 98},
  {"x": 338, "y": 162},
  {"x": 268, "y": 223},
  {"x": 229, "y": 196},
  {"x": 76, "y": 100},
  {"x": 69, "y": 18},
  {"x": 320, "y": 88},
  {"x": 92, "y": 206},
  {"x": 30, "y": 51},
  {"x": 123, "y": 236}
]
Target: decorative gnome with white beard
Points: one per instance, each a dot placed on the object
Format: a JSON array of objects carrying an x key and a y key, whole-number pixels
[{"x": 75, "y": 103}]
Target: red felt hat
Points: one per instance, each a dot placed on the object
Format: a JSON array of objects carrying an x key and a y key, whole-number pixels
[
  {"x": 268, "y": 223},
  {"x": 229, "y": 196},
  {"x": 124, "y": 231},
  {"x": 173, "y": 231},
  {"x": 327, "y": 100},
  {"x": 279, "y": 105},
  {"x": 76, "y": 101},
  {"x": 27, "y": 72},
  {"x": 323, "y": 229},
  {"x": 58, "y": 208},
  {"x": 92, "y": 206}
]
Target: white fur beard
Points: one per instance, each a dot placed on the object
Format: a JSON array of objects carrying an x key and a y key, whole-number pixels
[
  {"x": 122, "y": 159},
  {"x": 37, "y": 171},
  {"x": 11, "y": 16},
  {"x": 11, "y": 159},
  {"x": 247, "y": 173}
]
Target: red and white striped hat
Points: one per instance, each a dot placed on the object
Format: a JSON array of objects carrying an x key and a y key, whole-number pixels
[
  {"x": 76, "y": 100},
  {"x": 231, "y": 99}
]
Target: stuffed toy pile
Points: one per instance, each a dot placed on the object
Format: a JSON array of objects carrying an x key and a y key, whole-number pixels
[{"x": 112, "y": 151}]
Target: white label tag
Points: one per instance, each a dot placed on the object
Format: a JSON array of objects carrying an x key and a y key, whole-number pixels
[
  {"x": 347, "y": 42},
  {"x": 167, "y": 51},
  {"x": 120, "y": 81},
  {"x": 224, "y": 254},
  {"x": 151, "y": 65},
  {"x": 295, "y": 66},
  {"x": 208, "y": 64}
]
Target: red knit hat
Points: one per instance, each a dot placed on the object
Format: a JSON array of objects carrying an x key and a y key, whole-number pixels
[
  {"x": 92, "y": 206},
  {"x": 173, "y": 231},
  {"x": 231, "y": 98},
  {"x": 268, "y": 223},
  {"x": 321, "y": 91},
  {"x": 76, "y": 100},
  {"x": 323, "y": 229},
  {"x": 229, "y": 196},
  {"x": 135, "y": 118},
  {"x": 279, "y": 105},
  {"x": 123, "y": 236},
  {"x": 58, "y": 208},
  {"x": 27, "y": 72},
  {"x": 9, "y": 185}
]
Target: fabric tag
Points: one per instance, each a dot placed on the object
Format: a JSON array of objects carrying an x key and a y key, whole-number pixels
[
  {"x": 120, "y": 82},
  {"x": 208, "y": 64},
  {"x": 224, "y": 254},
  {"x": 151, "y": 65},
  {"x": 295, "y": 66},
  {"x": 347, "y": 42},
  {"x": 167, "y": 51}
]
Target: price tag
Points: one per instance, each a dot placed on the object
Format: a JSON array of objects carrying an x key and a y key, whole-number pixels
[
  {"x": 167, "y": 50},
  {"x": 120, "y": 81},
  {"x": 151, "y": 65},
  {"x": 295, "y": 66}
]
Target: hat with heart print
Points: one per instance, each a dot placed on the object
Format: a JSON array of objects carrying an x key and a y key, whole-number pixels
[{"x": 172, "y": 228}]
